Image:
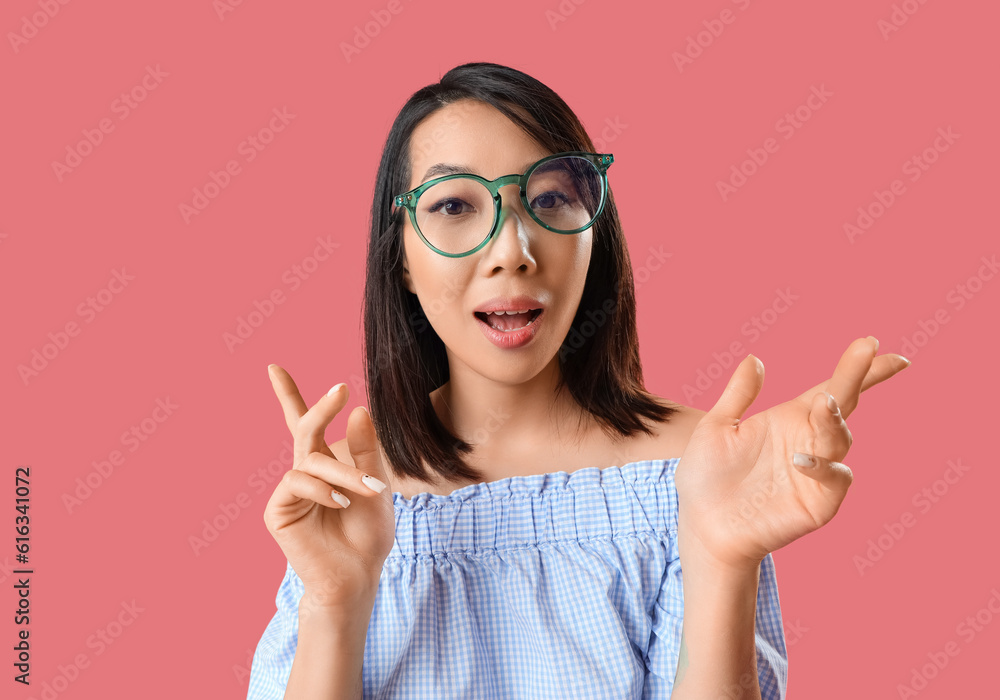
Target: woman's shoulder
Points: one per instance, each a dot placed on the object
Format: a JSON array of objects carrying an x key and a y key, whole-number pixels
[{"x": 668, "y": 439}]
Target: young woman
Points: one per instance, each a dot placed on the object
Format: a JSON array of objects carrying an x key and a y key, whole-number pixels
[{"x": 519, "y": 517}]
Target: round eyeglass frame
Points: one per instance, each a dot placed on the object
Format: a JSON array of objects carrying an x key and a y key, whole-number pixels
[{"x": 408, "y": 200}]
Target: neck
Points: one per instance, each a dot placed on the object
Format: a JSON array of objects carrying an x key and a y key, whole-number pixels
[{"x": 504, "y": 420}]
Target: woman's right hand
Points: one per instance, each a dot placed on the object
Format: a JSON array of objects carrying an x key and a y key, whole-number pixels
[{"x": 336, "y": 551}]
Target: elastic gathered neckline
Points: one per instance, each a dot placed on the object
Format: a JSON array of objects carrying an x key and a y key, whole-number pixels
[
  {"x": 522, "y": 512},
  {"x": 537, "y": 484}
]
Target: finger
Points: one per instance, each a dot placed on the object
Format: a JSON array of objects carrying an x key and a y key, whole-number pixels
[
  {"x": 742, "y": 390},
  {"x": 883, "y": 367},
  {"x": 832, "y": 437},
  {"x": 339, "y": 475},
  {"x": 835, "y": 476},
  {"x": 845, "y": 384},
  {"x": 296, "y": 485},
  {"x": 310, "y": 433},
  {"x": 288, "y": 396},
  {"x": 363, "y": 445}
]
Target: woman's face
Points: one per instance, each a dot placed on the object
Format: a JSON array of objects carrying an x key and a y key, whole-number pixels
[{"x": 522, "y": 258}]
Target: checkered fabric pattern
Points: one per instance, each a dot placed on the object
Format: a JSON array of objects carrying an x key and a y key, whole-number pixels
[{"x": 561, "y": 585}]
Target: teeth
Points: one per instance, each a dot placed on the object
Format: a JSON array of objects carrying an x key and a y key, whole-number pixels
[{"x": 509, "y": 313}]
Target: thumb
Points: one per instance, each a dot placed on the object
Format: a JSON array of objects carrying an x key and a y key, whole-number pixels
[
  {"x": 363, "y": 445},
  {"x": 742, "y": 390}
]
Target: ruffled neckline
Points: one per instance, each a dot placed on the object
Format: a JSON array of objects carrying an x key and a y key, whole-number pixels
[{"x": 540, "y": 484}]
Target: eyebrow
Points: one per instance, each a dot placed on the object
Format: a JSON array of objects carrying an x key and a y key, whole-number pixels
[{"x": 441, "y": 169}]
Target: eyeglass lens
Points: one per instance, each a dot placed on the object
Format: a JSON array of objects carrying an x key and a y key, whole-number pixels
[{"x": 456, "y": 215}]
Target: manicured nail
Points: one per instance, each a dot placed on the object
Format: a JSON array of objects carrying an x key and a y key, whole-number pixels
[
  {"x": 341, "y": 499},
  {"x": 803, "y": 460},
  {"x": 876, "y": 343},
  {"x": 372, "y": 483},
  {"x": 334, "y": 389},
  {"x": 269, "y": 368},
  {"x": 831, "y": 403},
  {"x": 908, "y": 363}
]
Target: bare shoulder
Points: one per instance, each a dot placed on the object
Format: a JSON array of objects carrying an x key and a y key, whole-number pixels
[{"x": 670, "y": 439}]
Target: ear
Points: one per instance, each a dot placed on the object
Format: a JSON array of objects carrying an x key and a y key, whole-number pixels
[{"x": 406, "y": 276}]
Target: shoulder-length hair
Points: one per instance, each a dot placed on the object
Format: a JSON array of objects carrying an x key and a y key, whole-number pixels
[{"x": 404, "y": 357}]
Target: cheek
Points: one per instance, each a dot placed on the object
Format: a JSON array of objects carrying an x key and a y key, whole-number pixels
[
  {"x": 419, "y": 263},
  {"x": 579, "y": 259},
  {"x": 439, "y": 282}
]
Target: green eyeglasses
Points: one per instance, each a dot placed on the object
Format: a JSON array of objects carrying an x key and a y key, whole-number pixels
[{"x": 455, "y": 215}]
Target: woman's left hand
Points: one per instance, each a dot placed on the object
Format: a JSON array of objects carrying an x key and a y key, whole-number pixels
[{"x": 740, "y": 496}]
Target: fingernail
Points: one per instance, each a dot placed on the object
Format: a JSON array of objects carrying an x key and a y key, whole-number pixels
[
  {"x": 372, "y": 483},
  {"x": 269, "y": 368},
  {"x": 876, "y": 342},
  {"x": 341, "y": 499},
  {"x": 831, "y": 403},
  {"x": 334, "y": 389},
  {"x": 908, "y": 363},
  {"x": 803, "y": 460}
]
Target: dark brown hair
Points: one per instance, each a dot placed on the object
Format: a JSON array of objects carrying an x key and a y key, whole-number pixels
[{"x": 405, "y": 359}]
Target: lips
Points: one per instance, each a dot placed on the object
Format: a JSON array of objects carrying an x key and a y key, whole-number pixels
[
  {"x": 508, "y": 321},
  {"x": 514, "y": 338},
  {"x": 516, "y": 303}
]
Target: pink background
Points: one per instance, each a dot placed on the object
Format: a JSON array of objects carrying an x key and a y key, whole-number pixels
[{"x": 680, "y": 131}]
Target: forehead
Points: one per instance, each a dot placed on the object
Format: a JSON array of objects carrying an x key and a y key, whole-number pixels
[{"x": 474, "y": 134}]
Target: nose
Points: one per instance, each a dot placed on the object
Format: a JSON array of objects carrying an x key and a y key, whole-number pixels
[{"x": 510, "y": 246}]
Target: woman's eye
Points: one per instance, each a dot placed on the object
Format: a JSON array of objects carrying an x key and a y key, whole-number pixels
[
  {"x": 449, "y": 207},
  {"x": 549, "y": 200}
]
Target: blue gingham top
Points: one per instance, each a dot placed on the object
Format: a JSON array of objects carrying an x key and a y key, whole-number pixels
[{"x": 544, "y": 586}]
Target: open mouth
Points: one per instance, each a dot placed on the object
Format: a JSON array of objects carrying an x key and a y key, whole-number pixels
[{"x": 503, "y": 321}]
